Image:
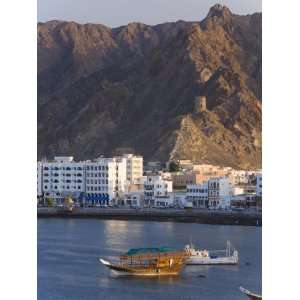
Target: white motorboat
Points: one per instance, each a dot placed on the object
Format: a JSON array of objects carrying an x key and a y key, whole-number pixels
[{"x": 229, "y": 256}]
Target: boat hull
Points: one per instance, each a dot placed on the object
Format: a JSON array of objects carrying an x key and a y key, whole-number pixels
[
  {"x": 127, "y": 271},
  {"x": 194, "y": 260}
]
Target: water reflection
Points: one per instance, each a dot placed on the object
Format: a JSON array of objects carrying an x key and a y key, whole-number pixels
[
  {"x": 167, "y": 280},
  {"x": 119, "y": 233}
]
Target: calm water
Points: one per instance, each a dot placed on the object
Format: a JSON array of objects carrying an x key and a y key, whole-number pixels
[{"x": 68, "y": 268}]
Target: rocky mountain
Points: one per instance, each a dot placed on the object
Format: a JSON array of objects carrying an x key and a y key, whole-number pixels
[{"x": 101, "y": 88}]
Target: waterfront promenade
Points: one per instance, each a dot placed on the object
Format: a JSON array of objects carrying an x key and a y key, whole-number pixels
[{"x": 246, "y": 217}]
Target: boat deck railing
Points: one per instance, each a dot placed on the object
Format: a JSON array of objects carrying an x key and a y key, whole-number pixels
[{"x": 149, "y": 256}]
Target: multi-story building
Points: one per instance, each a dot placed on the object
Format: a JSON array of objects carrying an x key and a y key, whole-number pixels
[
  {"x": 243, "y": 200},
  {"x": 105, "y": 179},
  {"x": 155, "y": 187},
  {"x": 61, "y": 178},
  {"x": 219, "y": 192},
  {"x": 39, "y": 180},
  {"x": 215, "y": 193},
  {"x": 98, "y": 181},
  {"x": 134, "y": 167},
  {"x": 153, "y": 166},
  {"x": 164, "y": 201},
  {"x": 182, "y": 179},
  {"x": 243, "y": 196},
  {"x": 132, "y": 199},
  {"x": 197, "y": 194},
  {"x": 238, "y": 177},
  {"x": 259, "y": 185}
]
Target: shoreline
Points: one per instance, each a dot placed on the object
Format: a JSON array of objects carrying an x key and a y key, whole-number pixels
[{"x": 246, "y": 218}]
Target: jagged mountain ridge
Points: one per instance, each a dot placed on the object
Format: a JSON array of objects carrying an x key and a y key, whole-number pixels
[{"x": 101, "y": 88}]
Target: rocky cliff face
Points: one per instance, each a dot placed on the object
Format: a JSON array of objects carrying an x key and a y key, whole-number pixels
[{"x": 134, "y": 86}]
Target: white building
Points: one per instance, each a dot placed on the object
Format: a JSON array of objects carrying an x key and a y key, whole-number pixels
[
  {"x": 61, "y": 178},
  {"x": 259, "y": 185},
  {"x": 238, "y": 177},
  {"x": 219, "y": 192},
  {"x": 39, "y": 179},
  {"x": 133, "y": 199},
  {"x": 243, "y": 200},
  {"x": 134, "y": 167},
  {"x": 179, "y": 199},
  {"x": 215, "y": 193},
  {"x": 99, "y": 181},
  {"x": 197, "y": 194},
  {"x": 155, "y": 187},
  {"x": 164, "y": 202},
  {"x": 105, "y": 179}
]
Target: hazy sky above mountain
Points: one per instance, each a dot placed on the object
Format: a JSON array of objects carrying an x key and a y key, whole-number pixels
[{"x": 121, "y": 12}]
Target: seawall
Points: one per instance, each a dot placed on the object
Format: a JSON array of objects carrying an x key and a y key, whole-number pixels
[{"x": 250, "y": 218}]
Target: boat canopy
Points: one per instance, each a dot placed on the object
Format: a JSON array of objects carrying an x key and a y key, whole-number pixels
[{"x": 135, "y": 251}]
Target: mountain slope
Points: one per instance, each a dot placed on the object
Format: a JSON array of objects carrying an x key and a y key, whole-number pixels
[{"x": 134, "y": 86}]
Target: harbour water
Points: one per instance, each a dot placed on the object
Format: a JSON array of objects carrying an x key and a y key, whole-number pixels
[{"x": 68, "y": 266}]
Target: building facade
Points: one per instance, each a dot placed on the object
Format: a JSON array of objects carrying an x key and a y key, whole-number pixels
[
  {"x": 98, "y": 181},
  {"x": 155, "y": 187},
  {"x": 182, "y": 179},
  {"x": 164, "y": 202},
  {"x": 39, "y": 180},
  {"x": 105, "y": 179},
  {"x": 219, "y": 192},
  {"x": 197, "y": 194},
  {"x": 61, "y": 178},
  {"x": 215, "y": 193},
  {"x": 134, "y": 167},
  {"x": 259, "y": 185},
  {"x": 132, "y": 199}
]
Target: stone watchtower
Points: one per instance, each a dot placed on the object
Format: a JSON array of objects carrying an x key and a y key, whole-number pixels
[{"x": 200, "y": 104}]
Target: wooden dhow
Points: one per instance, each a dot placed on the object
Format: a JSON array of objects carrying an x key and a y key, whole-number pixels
[{"x": 148, "y": 262}]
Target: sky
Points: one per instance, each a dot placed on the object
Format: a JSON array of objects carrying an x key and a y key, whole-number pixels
[{"x": 121, "y": 12}]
